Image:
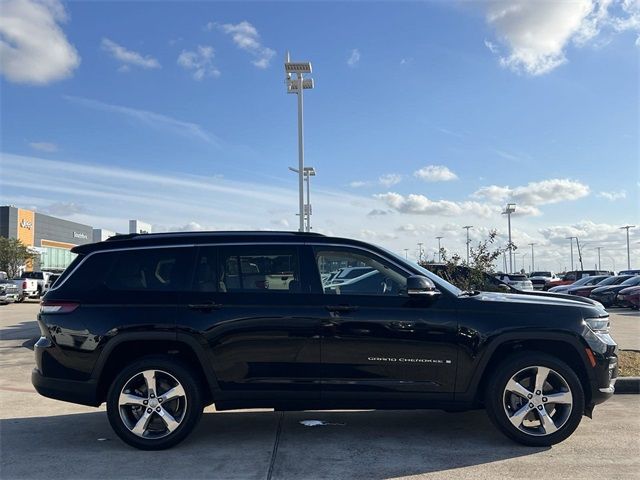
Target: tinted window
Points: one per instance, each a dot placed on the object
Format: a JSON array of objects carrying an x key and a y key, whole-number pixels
[
  {"x": 205, "y": 276},
  {"x": 259, "y": 269},
  {"x": 379, "y": 277},
  {"x": 154, "y": 269},
  {"x": 630, "y": 282}
]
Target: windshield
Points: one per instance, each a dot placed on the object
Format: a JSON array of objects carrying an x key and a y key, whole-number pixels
[
  {"x": 632, "y": 281},
  {"x": 517, "y": 278},
  {"x": 439, "y": 281},
  {"x": 541, "y": 274}
]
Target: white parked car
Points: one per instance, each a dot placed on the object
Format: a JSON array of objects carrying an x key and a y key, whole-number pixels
[
  {"x": 516, "y": 280},
  {"x": 539, "y": 279}
]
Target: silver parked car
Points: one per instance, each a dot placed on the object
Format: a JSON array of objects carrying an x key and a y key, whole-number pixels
[{"x": 516, "y": 280}]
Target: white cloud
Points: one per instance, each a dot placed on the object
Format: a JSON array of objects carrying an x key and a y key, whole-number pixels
[
  {"x": 612, "y": 196},
  {"x": 44, "y": 146},
  {"x": 358, "y": 184},
  {"x": 151, "y": 119},
  {"x": 536, "y": 193},
  {"x": 421, "y": 205},
  {"x": 33, "y": 47},
  {"x": 390, "y": 179},
  {"x": 128, "y": 57},
  {"x": 200, "y": 62},
  {"x": 536, "y": 34},
  {"x": 247, "y": 38},
  {"x": 354, "y": 58},
  {"x": 435, "y": 173}
]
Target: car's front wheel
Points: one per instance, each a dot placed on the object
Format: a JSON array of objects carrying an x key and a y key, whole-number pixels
[
  {"x": 535, "y": 399},
  {"x": 154, "y": 403}
]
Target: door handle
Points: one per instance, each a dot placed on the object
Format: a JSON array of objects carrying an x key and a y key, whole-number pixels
[
  {"x": 205, "y": 306},
  {"x": 341, "y": 308}
]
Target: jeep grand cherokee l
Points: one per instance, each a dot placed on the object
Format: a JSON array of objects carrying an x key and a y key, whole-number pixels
[{"x": 160, "y": 325}]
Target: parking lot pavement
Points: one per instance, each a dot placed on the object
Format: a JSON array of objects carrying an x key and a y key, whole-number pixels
[
  {"x": 625, "y": 327},
  {"x": 43, "y": 438}
]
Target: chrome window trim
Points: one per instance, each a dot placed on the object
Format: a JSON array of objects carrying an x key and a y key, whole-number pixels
[{"x": 227, "y": 244}]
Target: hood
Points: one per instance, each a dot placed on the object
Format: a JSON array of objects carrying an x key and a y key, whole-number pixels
[
  {"x": 630, "y": 290},
  {"x": 539, "y": 298},
  {"x": 609, "y": 289}
]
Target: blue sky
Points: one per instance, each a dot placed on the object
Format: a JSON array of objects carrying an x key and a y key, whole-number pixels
[{"x": 426, "y": 116}]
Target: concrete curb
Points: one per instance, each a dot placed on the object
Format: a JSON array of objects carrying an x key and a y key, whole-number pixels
[{"x": 628, "y": 385}]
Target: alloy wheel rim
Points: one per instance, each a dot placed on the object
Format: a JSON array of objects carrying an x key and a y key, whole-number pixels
[
  {"x": 152, "y": 404},
  {"x": 537, "y": 401}
]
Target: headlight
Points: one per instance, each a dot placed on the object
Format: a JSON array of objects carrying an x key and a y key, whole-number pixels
[{"x": 598, "y": 325}]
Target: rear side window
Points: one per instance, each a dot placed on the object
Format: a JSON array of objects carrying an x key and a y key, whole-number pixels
[
  {"x": 259, "y": 269},
  {"x": 154, "y": 269}
]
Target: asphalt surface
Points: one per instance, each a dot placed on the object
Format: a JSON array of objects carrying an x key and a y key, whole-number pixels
[{"x": 43, "y": 438}]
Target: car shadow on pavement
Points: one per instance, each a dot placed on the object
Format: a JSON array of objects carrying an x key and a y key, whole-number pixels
[
  {"x": 26, "y": 330},
  {"x": 349, "y": 444}
]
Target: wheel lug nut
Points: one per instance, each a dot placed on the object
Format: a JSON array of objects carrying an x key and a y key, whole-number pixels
[
  {"x": 157, "y": 409},
  {"x": 144, "y": 402},
  {"x": 160, "y": 399},
  {"x": 531, "y": 405},
  {"x": 153, "y": 396},
  {"x": 538, "y": 392},
  {"x": 544, "y": 399},
  {"x": 149, "y": 410},
  {"x": 530, "y": 396},
  {"x": 539, "y": 407}
]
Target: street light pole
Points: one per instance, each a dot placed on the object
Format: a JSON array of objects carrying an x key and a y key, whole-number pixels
[
  {"x": 599, "y": 267},
  {"x": 439, "y": 249},
  {"x": 571, "y": 243},
  {"x": 406, "y": 254},
  {"x": 627, "y": 227},
  {"x": 468, "y": 241},
  {"x": 509, "y": 209},
  {"x": 533, "y": 265},
  {"x": 420, "y": 251},
  {"x": 298, "y": 86}
]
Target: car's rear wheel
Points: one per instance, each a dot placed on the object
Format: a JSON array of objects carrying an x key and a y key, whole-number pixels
[
  {"x": 535, "y": 399},
  {"x": 154, "y": 403}
]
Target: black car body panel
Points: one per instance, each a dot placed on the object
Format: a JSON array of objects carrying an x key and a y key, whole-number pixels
[{"x": 297, "y": 347}]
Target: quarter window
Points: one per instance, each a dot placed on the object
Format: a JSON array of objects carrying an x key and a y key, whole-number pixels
[
  {"x": 347, "y": 272},
  {"x": 259, "y": 269}
]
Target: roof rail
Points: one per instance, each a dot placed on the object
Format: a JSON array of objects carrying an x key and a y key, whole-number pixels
[{"x": 129, "y": 236}]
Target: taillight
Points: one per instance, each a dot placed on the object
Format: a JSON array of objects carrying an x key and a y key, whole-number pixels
[
  {"x": 24, "y": 285},
  {"x": 58, "y": 307}
]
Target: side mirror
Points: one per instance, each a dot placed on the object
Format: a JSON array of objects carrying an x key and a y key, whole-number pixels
[{"x": 419, "y": 286}]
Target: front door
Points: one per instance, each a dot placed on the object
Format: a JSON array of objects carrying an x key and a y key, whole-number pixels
[{"x": 376, "y": 340}]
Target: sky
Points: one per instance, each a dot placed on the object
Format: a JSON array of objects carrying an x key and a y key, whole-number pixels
[{"x": 425, "y": 117}]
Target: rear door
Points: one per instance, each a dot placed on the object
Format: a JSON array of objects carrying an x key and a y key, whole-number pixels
[
  {"x": 249, "y": 304},
  {"x": 376, "y": 341}
]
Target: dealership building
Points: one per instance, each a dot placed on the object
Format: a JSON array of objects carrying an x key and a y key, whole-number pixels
[{"x": 51, "y": 237}]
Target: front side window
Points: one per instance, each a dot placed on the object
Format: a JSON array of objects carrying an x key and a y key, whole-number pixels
[
  {"x": 366, "y": 274},
  {"x": 259, "y": 269}
]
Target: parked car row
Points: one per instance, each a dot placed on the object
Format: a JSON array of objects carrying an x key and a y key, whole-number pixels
[
  {"x": 30, "y": 285},
  {"x": 610, "y": 290}
]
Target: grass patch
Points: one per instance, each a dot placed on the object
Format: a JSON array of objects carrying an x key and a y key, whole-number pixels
[{"x": 628, "y": 363}]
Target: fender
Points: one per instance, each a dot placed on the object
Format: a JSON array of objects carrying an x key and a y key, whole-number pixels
[
  {"x": 496, "y": 342},
  {"x": 183, "y": 338}
]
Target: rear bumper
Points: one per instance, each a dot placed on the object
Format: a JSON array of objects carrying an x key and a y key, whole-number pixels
[{"x": 74, "y": 391}]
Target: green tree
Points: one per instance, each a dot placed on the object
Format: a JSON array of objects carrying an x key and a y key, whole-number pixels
[
  {"x": 14, "y": 255},
  {"x": 472, "y": 275}
]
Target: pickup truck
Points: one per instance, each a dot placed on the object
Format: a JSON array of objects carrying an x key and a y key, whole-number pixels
[
  {"x": 27, "y": 288},
  {"x": 570, "y": 277}
]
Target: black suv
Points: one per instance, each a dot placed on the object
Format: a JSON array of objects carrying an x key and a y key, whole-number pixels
[{"x": 160, "y": 325}]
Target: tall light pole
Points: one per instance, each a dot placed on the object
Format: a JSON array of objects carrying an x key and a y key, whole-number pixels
[
  {"x": 508, "y": 210},
  {"x": 307, "y": 173},
  {"x": 627, "y": 227},
  {"x": 439, "y": 249},
  {"x": 599, "y": 267},
  {"x": 406, "y": 254},
  {"x": 420, "y": 251},
  {"x": 533, "y": 267},
  {"x": 571, "y": 243},
  {"x": 297, "y": 86},
  {"x": 468, "y": 241}
]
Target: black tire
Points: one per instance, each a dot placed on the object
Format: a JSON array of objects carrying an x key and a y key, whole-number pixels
[
  {"x": 495, "y": 395},
  {"x": 191, "y": 412}
]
